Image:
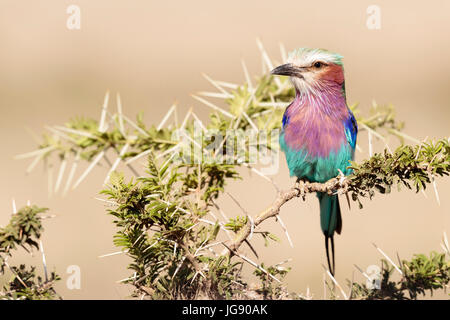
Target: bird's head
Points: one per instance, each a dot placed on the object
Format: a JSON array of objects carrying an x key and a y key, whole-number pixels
[{"x": 313, "y": 69}]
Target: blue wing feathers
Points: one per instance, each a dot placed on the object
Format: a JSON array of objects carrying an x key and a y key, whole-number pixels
[{"x": 351, "y": 129}]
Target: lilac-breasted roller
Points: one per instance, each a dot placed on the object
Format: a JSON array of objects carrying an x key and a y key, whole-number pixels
[{"x": 319, "y": 131}]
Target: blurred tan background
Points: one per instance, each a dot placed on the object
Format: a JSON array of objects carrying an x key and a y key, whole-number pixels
[{"x": 154, "y": 53}]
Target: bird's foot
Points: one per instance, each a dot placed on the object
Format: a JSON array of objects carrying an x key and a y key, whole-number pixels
[
  {"x": 343, "y": 182},
  {"x": 300, "y": 185}
]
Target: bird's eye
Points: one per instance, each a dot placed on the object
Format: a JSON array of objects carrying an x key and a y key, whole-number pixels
[{"x": 318, "y": 64}]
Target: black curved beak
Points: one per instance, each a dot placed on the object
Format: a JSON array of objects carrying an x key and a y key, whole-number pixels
[{"x": 287, "y": 69}]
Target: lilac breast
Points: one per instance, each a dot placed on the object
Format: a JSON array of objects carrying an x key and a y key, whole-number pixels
[{"x": 316, "y": 125}]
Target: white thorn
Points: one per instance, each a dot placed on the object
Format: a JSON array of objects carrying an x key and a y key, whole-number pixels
[
  {"x": 112, "y": 254},
  {"x": 213, "y": 106},
  {"x": 227, "y": 84},
  {"x": 14, "y": 207},
  {"x": 215, "y": 95},
  {"x": 43, "y": 260},
  {"x": 62, "y": 168},
  {"x": 247, "y": 76},
  {"x": 336, "y": 283},
  {"x": 71, "y": 173},
  {"x": 388, "y": 259},
  {"x": 130, "y": 122},
  {"x": 89, "y": 168},
  {"x": 140, "y": 155},
  {"x": 38, "y": 152},
  {"x": 283, "y": 53},
  {"x": 285, "y": 230},
  {"x": 273, "y": 104},
  {"x": 199, "y": 121},
  {"x": 252, "y": 124},
  {"x": 186, "y": 118},
  {"x": 33, "y": 164},
  {"x": 50, "y": 180},
  {"x": 102, "y": 127},
  {"x": 436, "y": 193},
  {"x": 173, "y": 149},
  {"x": 116, "y": 163},
  {"x": 267, "y": 60},
  {"x": 74, "y": 131},
  {"x": 166, "y": 117},
  {"x": 214, "y": 83},
  {"x": 120, "y": 114}
]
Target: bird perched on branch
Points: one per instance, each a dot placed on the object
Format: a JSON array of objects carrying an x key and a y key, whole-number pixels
[{"x": 319, "y": 131}]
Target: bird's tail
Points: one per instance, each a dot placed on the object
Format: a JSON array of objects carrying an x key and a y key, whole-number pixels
[{"x": 330, "y": 221}]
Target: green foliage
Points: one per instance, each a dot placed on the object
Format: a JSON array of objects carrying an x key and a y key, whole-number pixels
[
  {"x": 161, "y": 225},
  {"x": 411, "y": 166},
  {"x": 24, "y": 230},
  {"x": 165, "y": 219},
  {"x": 419, "y": 275}
]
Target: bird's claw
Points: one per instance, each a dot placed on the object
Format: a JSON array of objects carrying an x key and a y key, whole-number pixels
[
  {"x": 300, "y": 186},
  {"x": 342, "y": 178}
]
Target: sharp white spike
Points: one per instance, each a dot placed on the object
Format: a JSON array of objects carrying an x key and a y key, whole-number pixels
[
  {"x": 214, "y": 83},
  {"x": 60, "y": 134},
  {"x": 388, "y": 259},
  {"x": 44, "y": 262},
  {"x": 112, "y": 254},
  {"x": 267, "y": 60},
  {"x": 14, "y": 207},
  {"x": 166, "y": 117},
  {"x": 336, "y": 283},
  {"x": 247, "y": 76},
  {"x": 285, "y": 230},
  {"x": 33, "y": 164},
  {"x": 199, "y": 121},
  {"x": 227, "y": 84},
  {"x": 259, "y": 173},
  {"x": 363, "y": 273},
  {"x": 215, "y": 95},
  {"x": 445, "y": 243},
  {"x": 404, "y": 135},
  {"x": 173, "y": 149},
  {"x": 116, "y": 163},
  {"x": 120, "y": 115},
  {"x": 62, "y": 168},
  {"x": 74, "y": 131},
  {"x": 436, "y": 193},
  {"x": 283, "y": 53},
  {"x": 213, "y": 106},
  {"x": 369, "y": 135},
  {"x": 50, "y": 180},
  {"x": 135, "y": 126},
  {"x": 370, "y": 130},
  {"x": 89, "y": 168},
  {"x": 186, "y": 118},
  {"x": 252, "y": 124},
  {"x": 71, "y": 173},
  {"x": 102, "y": 127},
  {"x": 140, "y": 155},
  {"x": 273, "y": 104},
  {"x": 38, "y": 152}
]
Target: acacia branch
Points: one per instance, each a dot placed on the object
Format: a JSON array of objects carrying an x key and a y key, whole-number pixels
[
  {"x": 410, "y": 166},
  {"x": 300, "y": 188}
]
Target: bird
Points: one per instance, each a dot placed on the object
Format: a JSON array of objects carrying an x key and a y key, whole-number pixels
[{"x": 318, "y": 131}]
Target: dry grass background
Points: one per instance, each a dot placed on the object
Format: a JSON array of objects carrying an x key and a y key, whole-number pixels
[{"x": 154, "y": 53}]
